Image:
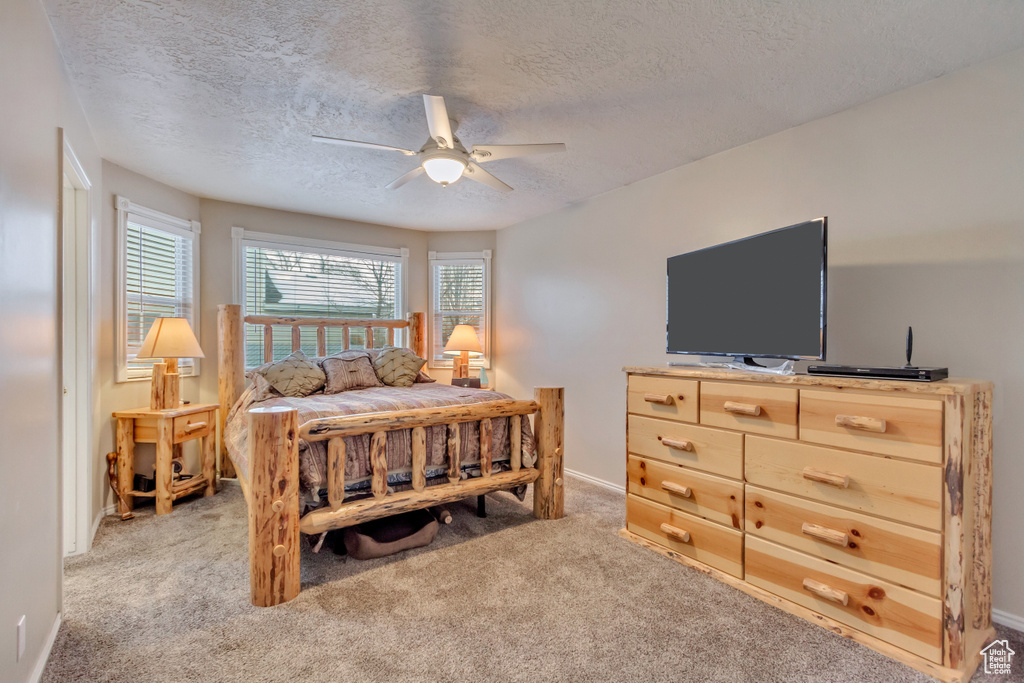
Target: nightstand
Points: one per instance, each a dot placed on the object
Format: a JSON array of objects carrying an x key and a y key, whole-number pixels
[{"x": 167, "y": 429}]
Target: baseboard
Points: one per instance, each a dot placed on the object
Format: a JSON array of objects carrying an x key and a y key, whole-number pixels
[
  {"x": 595, "y": 480},
  {"x": 1006, "y": 619},
  {"x": 104, "y": 511},
  {"x": 44, "y": 656}
]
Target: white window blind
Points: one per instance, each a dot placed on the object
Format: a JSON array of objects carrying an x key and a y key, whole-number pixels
[
  {"x": 158, "y": 279},
  {"x": 460, "y": 292},
  {"x": 283, "y": 280}
]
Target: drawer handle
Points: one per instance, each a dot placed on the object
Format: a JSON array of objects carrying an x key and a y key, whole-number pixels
[
  {"x": 742, "y": 408},
  {"x": 194, "y": 427},
  {"x": 838, "y": 480},
  {"x": 823, "y": 533},
  {"x": 678, "y": 444},
  {"x": 661, "y": 399},
  {"x": 828, "y": 592},
  {"x": 868, "y": 424},
  {"x": 675, "y": 532},
  {"x": 677, "y": 489}
]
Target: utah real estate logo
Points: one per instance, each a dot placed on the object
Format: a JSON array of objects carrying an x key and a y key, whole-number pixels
[{"x": 997, "y": 657}]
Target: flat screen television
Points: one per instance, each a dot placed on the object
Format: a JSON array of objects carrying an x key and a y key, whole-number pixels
[{"x": 757, "y": 297}]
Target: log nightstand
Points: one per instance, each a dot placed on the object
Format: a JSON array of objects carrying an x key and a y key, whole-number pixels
[{"x": 167, "y": 429}]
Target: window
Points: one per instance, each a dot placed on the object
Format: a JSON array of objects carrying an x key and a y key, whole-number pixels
[
  {"x": 282, "y": 276},
  {"x": 157, "y": 264},
  {"x": 460, "y": 291}
]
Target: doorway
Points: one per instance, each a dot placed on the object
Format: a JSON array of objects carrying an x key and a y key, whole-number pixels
[{"x": 75, "y": 316}]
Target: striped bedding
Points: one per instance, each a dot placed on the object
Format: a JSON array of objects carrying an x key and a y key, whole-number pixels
[{"x": 313, "y": 455}]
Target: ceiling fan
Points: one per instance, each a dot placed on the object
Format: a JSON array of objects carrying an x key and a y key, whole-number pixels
[{"x": 443, "y": 157}]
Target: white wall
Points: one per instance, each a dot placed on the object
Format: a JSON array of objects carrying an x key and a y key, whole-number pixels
[
  {"x": 36, "y": 99},
  {"x": 924, "y": 190}
]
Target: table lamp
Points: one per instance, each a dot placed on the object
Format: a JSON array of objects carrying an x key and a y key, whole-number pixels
[
  {"x": 170, "y": 339},
  {"x": 462, "y": 342}
]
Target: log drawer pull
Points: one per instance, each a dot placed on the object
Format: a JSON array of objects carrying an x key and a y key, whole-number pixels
[
  {"x": 823, "y": 533},
  {"x": 675, "y": 532},
  {"x": 868, "y": 424},
  {"x": 661, "y": 399},
  {"x": 751, "y": 409},
  {"x": 841, "y": 481},
  {"x": 678, "y": 444},
  {"x": 194, "y": 427},
  {"x": 825, "y": 591},
  {"x": 677, "y": 489}
]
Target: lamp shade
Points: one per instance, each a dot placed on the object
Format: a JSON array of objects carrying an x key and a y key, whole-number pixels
[
  {"x": 463, "y": 338},
  {"x": 170, "y": 338}
]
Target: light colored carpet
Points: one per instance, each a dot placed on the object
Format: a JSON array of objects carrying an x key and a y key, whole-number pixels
[{"x": 507, "y": 598}]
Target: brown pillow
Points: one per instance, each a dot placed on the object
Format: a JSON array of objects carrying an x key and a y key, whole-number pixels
[
  {"x": 397, "y": 367},
  {"x": 349, "y": 370},
  {"x": 421, "y": 376},
  {"x": 295, "y": 375}
]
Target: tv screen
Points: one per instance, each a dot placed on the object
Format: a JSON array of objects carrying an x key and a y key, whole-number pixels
[{"x": 762, "y": 296}]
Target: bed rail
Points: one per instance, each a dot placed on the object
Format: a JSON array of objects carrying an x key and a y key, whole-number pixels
[{"x": 274, "y": 434}]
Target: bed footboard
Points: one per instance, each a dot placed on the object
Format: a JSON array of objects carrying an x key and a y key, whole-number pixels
[{"x": 273, "y": 482}]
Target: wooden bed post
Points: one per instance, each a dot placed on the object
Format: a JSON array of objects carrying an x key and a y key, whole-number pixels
[
  {"x": 548, "y": 430},
  {"x": 230, "y": 371},
  {"x": 417, "y": 335},
  {"x": 274, "y": 575}
]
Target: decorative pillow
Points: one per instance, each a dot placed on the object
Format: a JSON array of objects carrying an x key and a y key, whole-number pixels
[
  {"x": 421, "y": 377},
  {"x": 349, "y": 370},
  {"x": 397, "y": 367},
  {"x": 295, "y": 375}
]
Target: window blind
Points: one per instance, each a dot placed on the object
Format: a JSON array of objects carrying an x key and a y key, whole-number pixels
[
  {"x": 158, "y": 283},
  {"x": 459, "y": 293},
  {"x": 285, "y": 282}
]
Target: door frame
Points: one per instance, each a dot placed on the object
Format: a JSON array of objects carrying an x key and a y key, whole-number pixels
[{"x": 77, "y": 540}]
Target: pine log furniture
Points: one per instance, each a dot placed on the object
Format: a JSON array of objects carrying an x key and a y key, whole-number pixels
[
  {"x": 863, "y": 506},
  {"x": 167, "y": 429},
  {"x": 270, "y": 482}
]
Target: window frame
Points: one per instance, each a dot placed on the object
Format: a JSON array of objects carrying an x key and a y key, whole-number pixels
[
  {"x": 242, "y": 238},
  {"x": 459, "y": 258},
  {"x": 157, "y": 220}
]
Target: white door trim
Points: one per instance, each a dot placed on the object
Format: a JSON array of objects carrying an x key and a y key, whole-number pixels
[{"x": 79, "y": 459}]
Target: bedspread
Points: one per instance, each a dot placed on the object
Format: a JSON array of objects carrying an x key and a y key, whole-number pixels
[{"x": 313, "y": 455}]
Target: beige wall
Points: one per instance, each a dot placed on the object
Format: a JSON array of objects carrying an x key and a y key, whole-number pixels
[
  {"x": 36, "y": 99},
  {"x": 923, "y": 190}
]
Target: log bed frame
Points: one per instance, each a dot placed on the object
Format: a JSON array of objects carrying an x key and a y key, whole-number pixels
[{"x": 271, "y": 486}]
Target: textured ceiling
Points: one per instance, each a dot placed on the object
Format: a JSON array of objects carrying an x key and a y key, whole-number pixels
[{"x": 219, "y": 98}]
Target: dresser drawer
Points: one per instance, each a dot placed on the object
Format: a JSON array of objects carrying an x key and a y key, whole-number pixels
[
  {"x": 710, "y": 450},
  {"x": 665, "y": 397},
  {"x": 902, "y": 554},
  {"x": 750, "y": 408},
  {"x": 712, "y": 544},
  {"x": 905, "y": 491},
  {"x": 903, "y": 617},
  {"x": 192, "y": 426},
  {"x": 714, "y": 498},
  {"x": 891, "y": 425}
]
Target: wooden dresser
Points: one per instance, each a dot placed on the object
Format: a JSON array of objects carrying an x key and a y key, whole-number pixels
[{"x": 861, "y": 505}]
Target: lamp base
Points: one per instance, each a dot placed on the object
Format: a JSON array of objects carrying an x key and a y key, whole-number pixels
[
  {"x": 461, "y": 367},
  {"x": 166, "y": 391}
]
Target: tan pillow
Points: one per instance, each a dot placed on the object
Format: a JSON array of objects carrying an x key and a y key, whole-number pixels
[
  {"x": 295, "y": 375},
  {"x": 421, "y": 376},
  {"x": 349, "y": 370},
  {"x": 397, "y": 367},
  {"x": 261, "y": 389}
]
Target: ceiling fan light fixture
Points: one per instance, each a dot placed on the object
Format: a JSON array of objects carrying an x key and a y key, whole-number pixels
[{"x": 444, "y": 169}]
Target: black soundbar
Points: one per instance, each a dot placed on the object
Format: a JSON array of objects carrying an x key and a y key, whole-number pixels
[{"x": 905, "y": 373}]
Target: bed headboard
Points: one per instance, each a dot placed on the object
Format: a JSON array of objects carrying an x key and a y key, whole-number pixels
[{"x": 231, "y": 347}]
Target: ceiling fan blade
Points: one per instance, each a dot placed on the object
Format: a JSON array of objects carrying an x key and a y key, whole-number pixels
[
  {"x": 368, "y": 145},
  {"x": 484, "y": 153},
  {"x": 474, "y": 172},
  {"x": 398, "y": 182},
  {"x": 437, "y": 121}
]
